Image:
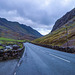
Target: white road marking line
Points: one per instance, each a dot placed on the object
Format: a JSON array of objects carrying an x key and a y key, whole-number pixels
[
  {"x": 23, "y": 56},
  {"x": 15, "y": 73},
  {"x": 20, "y": 61},
  {"x": 18, "y": 65},
  {"x": 60, "y": 58},
  {"x": 24, "y": 53}
]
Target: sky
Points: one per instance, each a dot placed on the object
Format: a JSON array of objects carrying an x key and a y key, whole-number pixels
[{"x": 41, "y": 15}]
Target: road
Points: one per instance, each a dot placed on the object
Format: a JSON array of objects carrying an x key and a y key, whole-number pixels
[
  {"x": 38, "y": 60},
  {"x": 8, "y": 67}
]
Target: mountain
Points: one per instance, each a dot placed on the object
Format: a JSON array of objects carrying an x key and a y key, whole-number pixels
[
  {"x": 16, "y": 30},
  {"x": 60, "y": 22},
  {"x": 62, "y": 33}
]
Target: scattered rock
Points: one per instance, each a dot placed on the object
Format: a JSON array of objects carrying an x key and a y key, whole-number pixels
[
  {"x": 8, "y": 47},
  {"x": 0, "y": 44},
  {"x": 15, "y": 47}
]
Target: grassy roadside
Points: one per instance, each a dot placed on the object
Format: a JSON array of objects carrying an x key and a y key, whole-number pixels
[
  {"x": 7, "y": 41},
  {"x": 14, "y": 52}
]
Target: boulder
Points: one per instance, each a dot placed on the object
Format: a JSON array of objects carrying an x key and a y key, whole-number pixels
[
  {"x": 15, "y": 47},
  {"x": 8, "y": 47}
]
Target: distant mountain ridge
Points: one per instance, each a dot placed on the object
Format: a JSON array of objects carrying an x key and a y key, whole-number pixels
[
  {"x": 60, "y": 22},
  {"x": 17, "y": 30}
]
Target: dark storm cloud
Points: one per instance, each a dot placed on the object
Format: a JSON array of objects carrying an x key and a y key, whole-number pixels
[{"x": 39, "y": 14}]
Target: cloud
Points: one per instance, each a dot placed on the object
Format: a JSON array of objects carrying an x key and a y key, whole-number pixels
[{"x": 39, "y": 14}]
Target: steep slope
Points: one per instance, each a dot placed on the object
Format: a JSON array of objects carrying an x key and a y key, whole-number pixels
[
  {"x": 18, "y": 31},
  {"x": 60, "y": 22},
  {"x": 61, "y": 36}
]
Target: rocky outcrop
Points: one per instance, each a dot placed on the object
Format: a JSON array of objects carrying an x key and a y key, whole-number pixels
[{"x": 63, "y": 20}]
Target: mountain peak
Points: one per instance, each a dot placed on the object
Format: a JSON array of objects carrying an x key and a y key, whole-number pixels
[{"x": 68, "y": 16}]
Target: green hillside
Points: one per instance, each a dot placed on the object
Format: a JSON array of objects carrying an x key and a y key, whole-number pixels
[
  {"x": 59, "y": 37},
  {"x": 16, "y": 30},
  {"x": 8, "y": 40}
]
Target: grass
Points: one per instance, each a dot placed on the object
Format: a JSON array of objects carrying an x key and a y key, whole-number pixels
[
  {"x": 58, "y": 37},
  {"x": 1, "y": 47},
  {"x": 6, "y": 41},
  {"x": 3, "y": 27},
  {"x": 11, "y": 40}
]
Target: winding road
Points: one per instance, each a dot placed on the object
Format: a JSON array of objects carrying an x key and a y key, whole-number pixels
[{"x": 38, "y": 60}]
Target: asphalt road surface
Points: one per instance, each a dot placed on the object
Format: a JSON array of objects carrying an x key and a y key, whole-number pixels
[
  {"x": 38, "y": 60},
  {"x": 8, "y": 67}
]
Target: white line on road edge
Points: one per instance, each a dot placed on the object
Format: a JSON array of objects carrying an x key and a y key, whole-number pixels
[
  {"x": 22, "y": 58},
  {"x": 60, "y": 58},
  {"x": 20, "y": 61},
  {"x": 15, "y": 73}
]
